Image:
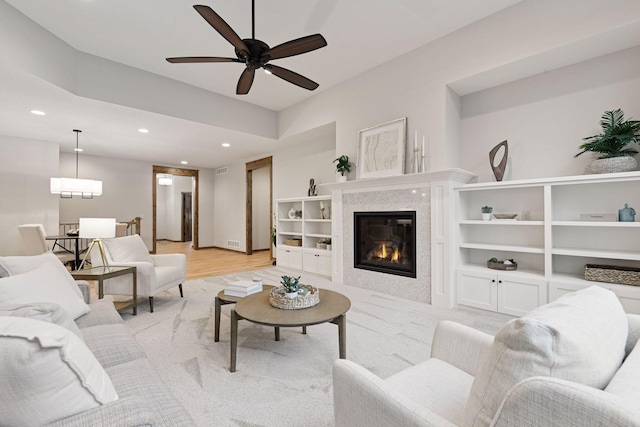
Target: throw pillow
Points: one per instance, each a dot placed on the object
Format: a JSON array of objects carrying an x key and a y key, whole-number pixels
[
  {"x": 580, "y": 337},
  {"x": 43, "y": 284},
  {"x": 128, "y": 249},
  {"x": 22, "y": 264},
  {"x": 47, "y": 374},
  {"x": 43, "y": 311}
]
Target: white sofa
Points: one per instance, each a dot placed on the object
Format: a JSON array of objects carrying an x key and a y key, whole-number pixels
[
  {"x": 65, "y": 362},
  {"x": 155, "y": 273},
  {"x": 573, "y": 362}
]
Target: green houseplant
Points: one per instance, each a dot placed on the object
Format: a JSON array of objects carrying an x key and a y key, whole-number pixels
[
  {"x": 611, "y": 146},
  {"x": 343, "y": 165},
  {"x": 290, "y": 285},
  {"x": 486, "y": 212}
]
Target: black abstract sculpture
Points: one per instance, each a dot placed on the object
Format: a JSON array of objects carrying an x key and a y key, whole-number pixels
[{"x": 498, "y": 171}]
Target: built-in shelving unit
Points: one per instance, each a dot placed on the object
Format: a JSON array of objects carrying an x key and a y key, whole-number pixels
[
  {"x": 311, "y": 227},
  {"x": 548, "y": 240}
]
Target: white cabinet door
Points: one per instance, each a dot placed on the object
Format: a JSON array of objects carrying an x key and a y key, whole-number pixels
[
  {"x": 518, "y": 295},
  {"x": 477, "y": 289},
  {"x": 289, "y": 257},
  {"x": 629, "y": 296},
  {"x": 317, "y": 262}
]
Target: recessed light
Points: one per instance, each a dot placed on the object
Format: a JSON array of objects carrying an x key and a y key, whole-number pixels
[
  {"x": 78, "y": 149},
  {"x": 226, "y": 144},
  {"x": 38, "y": 112},
  {"x": 142, "y": 130},
  {"x": 184, "y": 162}
]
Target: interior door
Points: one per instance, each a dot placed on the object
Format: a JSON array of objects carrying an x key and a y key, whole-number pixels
[{"x": 187, "y": 219}]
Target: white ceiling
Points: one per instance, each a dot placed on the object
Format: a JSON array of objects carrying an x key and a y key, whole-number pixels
[{"x": 361, "y": 34}]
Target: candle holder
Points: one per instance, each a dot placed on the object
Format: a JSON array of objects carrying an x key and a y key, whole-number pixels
[
  {"x": 423, "y": 163},
  {"x": 416, "y": 162}
]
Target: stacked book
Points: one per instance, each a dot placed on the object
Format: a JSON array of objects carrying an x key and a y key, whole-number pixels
[{"x": 242, "y": 288}]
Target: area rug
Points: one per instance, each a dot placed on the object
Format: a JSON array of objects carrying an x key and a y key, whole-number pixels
[{"x": 286, "y": 382}]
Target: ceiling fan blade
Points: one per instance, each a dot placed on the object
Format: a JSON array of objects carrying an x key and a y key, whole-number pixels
[
  {"x": 295, "y": 47},
  {"x": 292, "y": 77},
  {"x": 246, "y": 80},
  {"x": 221, "y": 27},
  {"x": 194, "y": 59}
]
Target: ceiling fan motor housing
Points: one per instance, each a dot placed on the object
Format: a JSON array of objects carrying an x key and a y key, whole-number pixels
[{"x": 256, "y": 49}]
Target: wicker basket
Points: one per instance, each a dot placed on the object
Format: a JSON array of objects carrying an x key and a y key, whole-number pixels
[
  {"x": 293, "y": 242},
  {"x": 612, "y": 274},
  {"x": 612, "y": 164},
  {"x": 278, "y": 299}
]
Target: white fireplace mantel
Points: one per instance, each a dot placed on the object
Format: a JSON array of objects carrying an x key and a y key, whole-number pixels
[{"x": 437, "y": 286}]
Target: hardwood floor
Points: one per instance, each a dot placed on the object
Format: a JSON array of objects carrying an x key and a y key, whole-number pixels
[{"x": 214, "y": 261}]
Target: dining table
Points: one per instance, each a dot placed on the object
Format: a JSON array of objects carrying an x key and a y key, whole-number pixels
[{"x": 76, "y": 246}]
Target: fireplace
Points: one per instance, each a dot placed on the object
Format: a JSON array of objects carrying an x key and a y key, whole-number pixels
[{"x": 385, "y": 242}]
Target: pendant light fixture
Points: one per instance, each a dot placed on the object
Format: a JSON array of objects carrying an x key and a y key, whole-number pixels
[{"x": 69, "y": 187}]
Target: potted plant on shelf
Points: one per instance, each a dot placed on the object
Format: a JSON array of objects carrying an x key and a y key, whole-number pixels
[
  {"x": 343, "y": 165},
  {"x": 291, "y": 286},
  {"x": 611, "y": 145},
  {"x": 324, "y": 244},
  {"x": 486, "y": 212}
]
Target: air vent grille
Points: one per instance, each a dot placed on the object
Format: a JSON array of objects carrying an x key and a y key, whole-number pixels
[
  {"x": 233, "y": 243},
  {"x": 222, "y": 171}
]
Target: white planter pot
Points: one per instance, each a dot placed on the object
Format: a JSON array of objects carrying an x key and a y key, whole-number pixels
[
  {"x": 486, "y": 216},
  {"x": 291, "y": 295},
  {"x": 342, "y": 178},
  {"x": 612, "y": 165}
]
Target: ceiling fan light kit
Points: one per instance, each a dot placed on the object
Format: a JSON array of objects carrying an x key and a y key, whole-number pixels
[{"x": 255, "y": 53}]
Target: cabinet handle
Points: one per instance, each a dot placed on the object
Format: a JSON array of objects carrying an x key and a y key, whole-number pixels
[
  {"x": 499, "y": 281},
  {"x": 493, "y": 280}
]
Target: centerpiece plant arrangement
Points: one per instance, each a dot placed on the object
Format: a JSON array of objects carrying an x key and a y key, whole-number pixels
[
  {"x": 290, "y": 285},
  {"x": 612, "y": 145},
  {"x": 343, "y": 165}
]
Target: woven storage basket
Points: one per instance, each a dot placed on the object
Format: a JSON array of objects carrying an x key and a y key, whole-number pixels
[
  {"x": 612, "y": 164},
  {"x": 293, "y": 242},
  {"x": 612, "y": 274},
  {"x": 278, "y": 299}
]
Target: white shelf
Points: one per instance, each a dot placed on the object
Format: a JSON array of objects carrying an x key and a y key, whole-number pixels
[
  {"x": 520, "y": 271},
  {"x": 318, "y": 220},
  {"x": 500, "y": 222},
  {"x": 290, "y": 233},
  {"x": 592, "y": 253},
  {"x": 321, "y": 236},
  {"x": 504, "y": 248},
  {"x": 596, "y": 224},
  {"x": 290, "y": 220}
]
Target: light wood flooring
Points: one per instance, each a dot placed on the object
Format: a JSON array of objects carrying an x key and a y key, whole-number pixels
[{"x": 214, "y": 261}]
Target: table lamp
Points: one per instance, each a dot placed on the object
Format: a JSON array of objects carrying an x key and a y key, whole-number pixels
[{"x": 97, "y": 229}]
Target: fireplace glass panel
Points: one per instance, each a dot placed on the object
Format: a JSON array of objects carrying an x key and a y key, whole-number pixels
[{"x": 386, "y": 242}]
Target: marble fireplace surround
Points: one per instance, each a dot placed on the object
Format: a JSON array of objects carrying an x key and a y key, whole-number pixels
[{"x": 430, "y": 195}]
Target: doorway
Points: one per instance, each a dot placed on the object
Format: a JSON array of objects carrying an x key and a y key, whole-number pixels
[
  {"x": 187, "y": 220},
  {"x": 251, "y": 167},
  {"x": 157, "y": 170}
]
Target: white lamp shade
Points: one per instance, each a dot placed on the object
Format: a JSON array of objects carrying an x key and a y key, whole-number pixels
[
  {"x": 76, "y": 187},
  {"x": 97, "y": 228}
]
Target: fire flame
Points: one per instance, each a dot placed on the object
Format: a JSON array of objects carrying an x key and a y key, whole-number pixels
[
  {"x": 395, "y": 256},
  {"x": 383, "y": 251}
]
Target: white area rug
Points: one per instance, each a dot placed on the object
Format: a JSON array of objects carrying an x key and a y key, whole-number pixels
[{"x": 284, "y": 383}]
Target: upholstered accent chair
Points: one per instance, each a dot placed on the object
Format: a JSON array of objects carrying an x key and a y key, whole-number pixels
[
  {"x": 573, "y": 362},
  {"x": 156, "y": 273},
  {"x": 35, "y": 243}
]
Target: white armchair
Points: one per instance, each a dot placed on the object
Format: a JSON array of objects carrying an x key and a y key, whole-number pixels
[
  {"x": 574, "y": 362},
  {"x": 155, "y": 273}
]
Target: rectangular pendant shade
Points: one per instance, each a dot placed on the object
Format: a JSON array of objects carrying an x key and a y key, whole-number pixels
[{"x": 68, "y": 187}]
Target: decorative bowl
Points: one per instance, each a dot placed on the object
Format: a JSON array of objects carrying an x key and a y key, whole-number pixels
[{"x": 505, "y": 216}]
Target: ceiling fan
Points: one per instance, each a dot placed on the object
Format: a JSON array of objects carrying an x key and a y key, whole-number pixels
[{"x": 255, "y": 53}]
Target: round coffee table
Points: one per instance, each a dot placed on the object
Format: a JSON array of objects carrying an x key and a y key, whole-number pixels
[
  {"x": 257, "y": 309},
  {"x": 222, "y": 299}
]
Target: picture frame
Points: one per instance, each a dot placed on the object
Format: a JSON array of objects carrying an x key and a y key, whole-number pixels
[{"x": 381, "y": 149}]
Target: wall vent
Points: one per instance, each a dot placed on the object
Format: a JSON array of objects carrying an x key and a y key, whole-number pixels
[
  {"x": 233, "y": 243},
  {"x": 222, "y": 171}
]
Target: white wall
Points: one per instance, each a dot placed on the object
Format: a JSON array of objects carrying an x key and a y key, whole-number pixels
[
  {"x": 545, "y": 117},
  {"x": 169, "y": 207},
  {"x": 229, "y": 208},
  {"x": 415, "y": 85},
  {"x": 126, "y": 192},
  {"x": 261, "y": 199},
  {"x": 25, "y": 170}
]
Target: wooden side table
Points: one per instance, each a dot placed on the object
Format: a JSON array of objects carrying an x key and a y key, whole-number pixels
[{"x": 100, "y": 274}]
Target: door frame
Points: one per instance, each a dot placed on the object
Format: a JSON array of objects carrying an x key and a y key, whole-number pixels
[
  {"x": 178, "y": 172},
  {"x": 251, "y": 166}
]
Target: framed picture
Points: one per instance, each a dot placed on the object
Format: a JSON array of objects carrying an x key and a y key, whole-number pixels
[{"x": 381, "y": 149}]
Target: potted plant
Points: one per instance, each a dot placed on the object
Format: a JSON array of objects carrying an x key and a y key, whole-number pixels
[
  {"x": 323, "y": 243},
  {"x": 343, "y": 165},
  {"x": 611, "y": 145},
  {"x": 486, "y": 212},
  {"x": 291, "y": 286}
]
